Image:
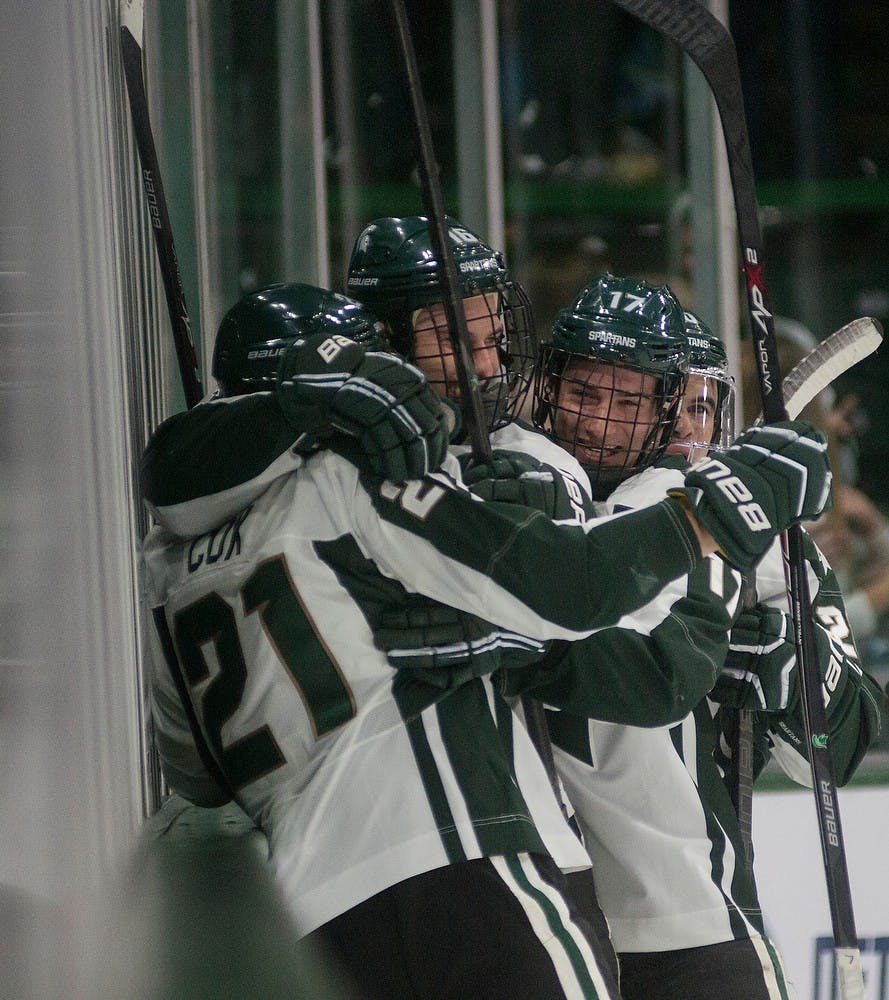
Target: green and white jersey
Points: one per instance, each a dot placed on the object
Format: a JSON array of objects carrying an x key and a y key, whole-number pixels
[
  {"x": 519, "y": 436},
  {"x": 201, "y": 466},
  {"x": 659, "y": 825},
  {"x": 359, "y": 775},
  {"x": 852, "y": 697},
  {"x": 653, "y": 804}
]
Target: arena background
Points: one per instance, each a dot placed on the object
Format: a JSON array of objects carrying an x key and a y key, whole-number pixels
[{"x": 567, "y": 134}]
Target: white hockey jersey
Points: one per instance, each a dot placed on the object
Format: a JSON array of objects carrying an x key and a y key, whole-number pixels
[
  {"x": 652, "y": 803},
  {"x": 360, "y": 776}
]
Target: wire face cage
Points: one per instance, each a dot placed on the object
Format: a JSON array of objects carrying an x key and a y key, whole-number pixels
[
  {"x": 503, "y": 349},
  {"x": 615, "y": 420}
]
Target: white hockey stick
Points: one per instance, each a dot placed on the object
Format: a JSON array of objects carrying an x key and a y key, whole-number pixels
[{"x": 835, "y": 355}]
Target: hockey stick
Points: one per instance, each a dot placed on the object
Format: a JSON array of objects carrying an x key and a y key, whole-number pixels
[
  {"x": 473, "y": 416},
  {"x": 535, "y": 716},
  {"x": 740, "y": 778},
  {"x": 131, "y": 24},
  {"x": 836, "y": 354},
  {"x": 703, "y": 38}
]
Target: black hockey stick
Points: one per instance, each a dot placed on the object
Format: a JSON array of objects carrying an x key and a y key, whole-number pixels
[
  {"x": 703, "y": 38},
  {"x": 131, "y": 18},
  {"x": 473, "y": 416},
  {"x": 740, "y": 778},
  {"x": 833, "y": 356}
]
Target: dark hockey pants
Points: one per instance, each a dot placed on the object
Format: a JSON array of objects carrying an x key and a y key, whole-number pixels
[
  {"x": 509, "y": 928},
  {"x": 733, "y": 970}
]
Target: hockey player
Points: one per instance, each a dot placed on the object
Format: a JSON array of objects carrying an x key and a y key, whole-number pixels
[
  {"x": 378, "y": 810},
  {"x": 614, "y": 406},
  {"x": 393, "y": 271},
  {"x": 652, "y": 803},
  {"x": 394, "y": 274},
  {"x": 707, "y": 416},
  {"x": 225, "y": 452}
]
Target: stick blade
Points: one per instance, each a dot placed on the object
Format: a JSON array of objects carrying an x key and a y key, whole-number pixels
[
  {"x": 132, "y": 18},
  {"x": 833, "y": 356},
  {"x": 692, "y": 26}
]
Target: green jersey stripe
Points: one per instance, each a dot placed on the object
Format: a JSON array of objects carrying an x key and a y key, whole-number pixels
[
  {"x": 435, "y": 791},
  {"x": 573, "y": 960},
  {"x": 493, "y": 802},
  {"x": 773, "y": 971}
]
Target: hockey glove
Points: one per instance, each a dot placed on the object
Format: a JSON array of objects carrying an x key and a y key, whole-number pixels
[
  {"x": 514, "y": 477},
  {"x": 330, "y": 384},
  {"x": 759, "y": 669},
  {"x": 772, "y": 477},
  {"x": 446, "y": 647}
]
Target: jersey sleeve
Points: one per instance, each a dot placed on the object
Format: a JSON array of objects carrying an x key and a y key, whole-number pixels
[
  {"x": 649, "y": 670},
  {"x": 513, "y": 564},
  {"x": 201, "y": 466},
  {"x": 852, "y": 697}
]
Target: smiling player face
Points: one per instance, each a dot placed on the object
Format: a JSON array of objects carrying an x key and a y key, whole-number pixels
[
  {"x": 696, "y": 423},
  {"x": 605, "y": 414}
]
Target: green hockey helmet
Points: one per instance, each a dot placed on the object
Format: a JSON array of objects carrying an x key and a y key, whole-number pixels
[
  {"x": 703, "y": 348},
  {"x": 610, "y": 380},
  {"x": 258, "y": 328},
  {"x": 393, "y": 270},
  {"x": 707, "y": 421}
]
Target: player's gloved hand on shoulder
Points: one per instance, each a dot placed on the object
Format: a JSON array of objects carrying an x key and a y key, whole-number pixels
[
  {"x": 446, "y": 647},
  {"x": 514, "y": 477},
  {"x": 330, "y": 384},
  {"x": 771, "y": 477},
  {"x": 759, "y": 671}
]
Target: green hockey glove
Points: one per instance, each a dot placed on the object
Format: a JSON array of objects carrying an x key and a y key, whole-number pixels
[
  {"x": 772, "y": 477},
  {"x": 759, "y": 669},
  {"x": 513, "y": 477},
  {"x": 330, "y": 384},
  {"x": 447, "y": 647}
]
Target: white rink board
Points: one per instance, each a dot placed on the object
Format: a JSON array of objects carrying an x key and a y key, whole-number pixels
[{"x": 790, "y": 877}]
